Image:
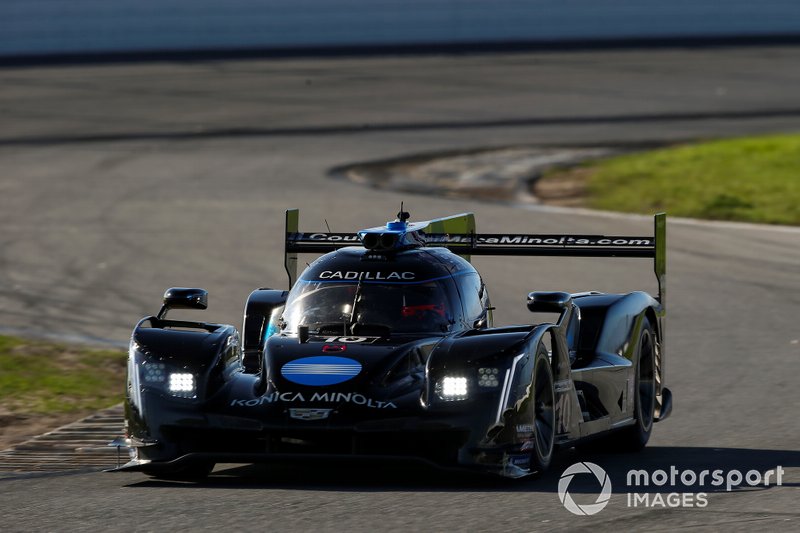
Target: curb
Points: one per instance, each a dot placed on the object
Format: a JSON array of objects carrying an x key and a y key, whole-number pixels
[{"x": 82, "y": 445}]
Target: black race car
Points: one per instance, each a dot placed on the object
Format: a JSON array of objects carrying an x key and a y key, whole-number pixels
[{"x": 385, "y": 348}]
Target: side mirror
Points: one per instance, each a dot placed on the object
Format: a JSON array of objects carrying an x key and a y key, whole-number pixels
[
  {"x": 549, "y": 302},
  {"x": 183, "y": 298}
]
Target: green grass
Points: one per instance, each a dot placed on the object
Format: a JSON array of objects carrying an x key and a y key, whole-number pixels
[
  {"x": 753, "y": 179},
  {"x": 38, "y": 377}
]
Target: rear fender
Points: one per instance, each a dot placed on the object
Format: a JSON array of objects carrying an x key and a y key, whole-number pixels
[
  {"x": 611, "y": 325},
  {"x": 610, "y": 321}
]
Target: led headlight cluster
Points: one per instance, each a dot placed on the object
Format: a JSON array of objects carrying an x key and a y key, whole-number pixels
[
  {"x": 452, "y": 388},
  {"x": 181, "y": 384},
  {"x": 487, "y": 377},
  {"x": 154, "y": 372}
]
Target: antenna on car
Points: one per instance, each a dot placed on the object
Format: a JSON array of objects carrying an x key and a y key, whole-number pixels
[
  {"x": 327, "y": 226},
  {"x": 403, "y": 216}
]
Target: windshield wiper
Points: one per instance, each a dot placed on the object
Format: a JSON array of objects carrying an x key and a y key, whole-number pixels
[{"x": 352, "y": 317}]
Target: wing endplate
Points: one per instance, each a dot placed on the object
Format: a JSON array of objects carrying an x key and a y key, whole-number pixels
[{"x": 290, "y": 257}]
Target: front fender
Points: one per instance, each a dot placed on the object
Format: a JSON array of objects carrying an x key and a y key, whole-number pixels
[
  {"x": 499, "y": 405},
  {"x": 198, "y": 355}
]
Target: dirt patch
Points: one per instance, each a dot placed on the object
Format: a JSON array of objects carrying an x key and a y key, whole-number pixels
[
  {"x": 494, "y": 175},
  {"x": 567, "y": 188}
]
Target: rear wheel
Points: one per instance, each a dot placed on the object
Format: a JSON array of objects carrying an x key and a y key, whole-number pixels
[
  {"x": 543, "y": 412},
  {"x": 635, "y": 437}
]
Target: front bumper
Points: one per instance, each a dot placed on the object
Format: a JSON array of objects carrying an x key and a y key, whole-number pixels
[{"x": 446, "y": 441}]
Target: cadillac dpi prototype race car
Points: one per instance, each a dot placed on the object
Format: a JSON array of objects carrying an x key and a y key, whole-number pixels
[{"x": 384, "y": 347}]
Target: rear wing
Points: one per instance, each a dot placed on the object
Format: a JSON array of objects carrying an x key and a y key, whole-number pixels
[{"x": 457, "y": 233}]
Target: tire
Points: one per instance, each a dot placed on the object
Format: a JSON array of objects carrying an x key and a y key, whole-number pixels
[
  {"x": 192, "y": 472},
  {"x": 634, "y": 438},
  {"x": 544, "y": 435}
]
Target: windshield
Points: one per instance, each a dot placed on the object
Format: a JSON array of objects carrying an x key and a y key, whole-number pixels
[{"x": 332, "y": 307}]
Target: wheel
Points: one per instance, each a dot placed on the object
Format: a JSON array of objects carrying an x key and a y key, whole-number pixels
[
  {"x": 543, "y": 412},
  {"x": 635, "y": 437},
  {"x": 192, "y": 472}
]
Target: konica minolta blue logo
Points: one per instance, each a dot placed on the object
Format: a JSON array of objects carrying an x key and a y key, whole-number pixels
[{"x": 321, "y": 370}]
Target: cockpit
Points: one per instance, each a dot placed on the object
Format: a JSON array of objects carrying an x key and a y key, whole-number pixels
[{"x": 347, "y": 306}]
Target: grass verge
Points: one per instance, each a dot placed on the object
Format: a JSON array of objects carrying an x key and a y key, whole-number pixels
[
  {"x": 754, "y": 179},
  {"x": 47, "y": 378}
]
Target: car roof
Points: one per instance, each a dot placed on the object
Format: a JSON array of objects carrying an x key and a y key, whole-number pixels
[{"x": 415, "y": 265}]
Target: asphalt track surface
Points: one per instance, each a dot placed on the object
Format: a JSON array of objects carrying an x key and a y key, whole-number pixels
[{"x": 119, "y": 181}]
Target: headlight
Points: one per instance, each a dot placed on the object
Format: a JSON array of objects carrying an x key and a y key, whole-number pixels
[
  {"x": 452, "y": 388},
  {"x": 181, "y": 384},
  {"x": 155, "y": 374},
  {"x": 488, "y": 377}
]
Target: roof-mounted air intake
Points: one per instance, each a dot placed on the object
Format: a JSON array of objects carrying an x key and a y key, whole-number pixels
[{"x": 396, "y": 235}]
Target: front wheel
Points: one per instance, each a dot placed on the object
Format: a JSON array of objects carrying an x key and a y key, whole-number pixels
[{"x": 543, "y": 412}]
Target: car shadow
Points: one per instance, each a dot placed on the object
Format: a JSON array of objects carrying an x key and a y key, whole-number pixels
[{"x": 384, "y": 477}]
